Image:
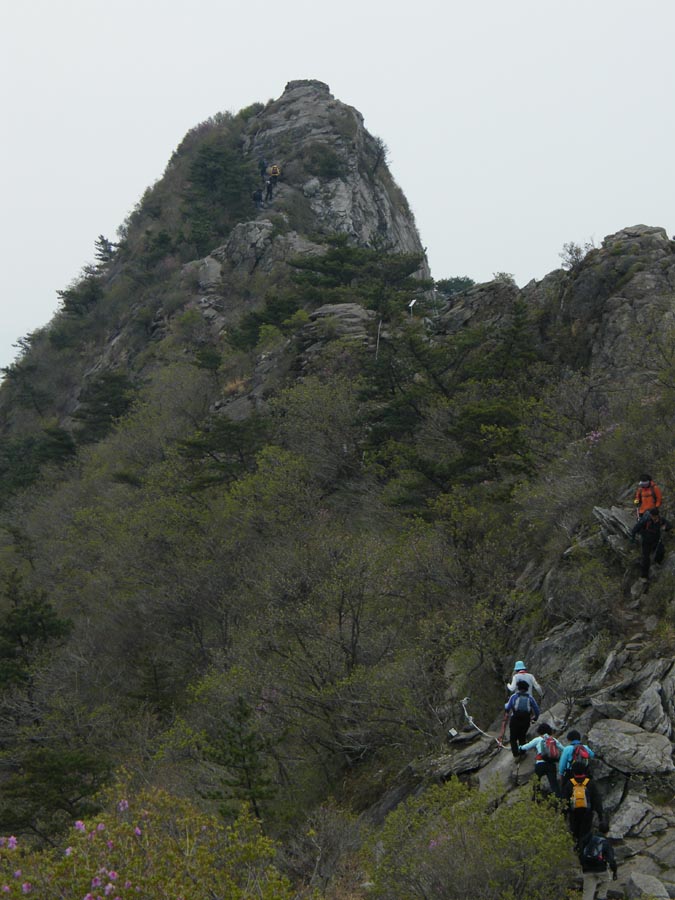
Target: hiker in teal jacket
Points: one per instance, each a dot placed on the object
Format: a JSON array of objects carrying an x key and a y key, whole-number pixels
[
  {"x": 549, "y": 750},
  {"x": 566, "y": 757}
]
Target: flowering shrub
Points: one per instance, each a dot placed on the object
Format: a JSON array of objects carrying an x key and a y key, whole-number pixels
[{"x": 154, "y": 846}]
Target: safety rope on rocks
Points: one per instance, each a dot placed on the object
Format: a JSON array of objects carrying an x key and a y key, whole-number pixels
[{"x": 470, "y": 720}]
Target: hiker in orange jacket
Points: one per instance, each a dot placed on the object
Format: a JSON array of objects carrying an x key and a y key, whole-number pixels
[{"x": 647, "y": 496}]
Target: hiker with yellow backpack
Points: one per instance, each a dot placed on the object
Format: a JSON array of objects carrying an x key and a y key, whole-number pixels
[{"x": 583, "y": 800}]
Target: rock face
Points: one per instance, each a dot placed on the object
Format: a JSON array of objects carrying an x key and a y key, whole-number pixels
[
  {"x": 333, "y": 167},
  {"x": 622, "y": 294},
  {"x": 615, "y": 303},
  {"x": 334, "y": 180}
]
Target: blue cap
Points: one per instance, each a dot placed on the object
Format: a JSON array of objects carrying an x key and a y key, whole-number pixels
[{"x": 519, "y": 665}]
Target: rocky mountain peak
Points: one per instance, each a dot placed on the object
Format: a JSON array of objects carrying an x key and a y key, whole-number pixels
[{"x": 334, "y": 173}]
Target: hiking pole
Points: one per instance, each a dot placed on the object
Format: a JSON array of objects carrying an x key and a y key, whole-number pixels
[
  {"x": 471, "y": 722},
  {"x": 500, "y": 739}
]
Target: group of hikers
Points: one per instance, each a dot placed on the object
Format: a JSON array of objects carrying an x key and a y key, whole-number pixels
[
  {"x": 270, "y": 176},
  {"x": 565, "y": 771},
  {"x": 568, "y": 777}
]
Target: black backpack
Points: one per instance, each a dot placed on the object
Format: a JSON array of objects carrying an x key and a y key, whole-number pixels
[{"x": 593, "y": 853}]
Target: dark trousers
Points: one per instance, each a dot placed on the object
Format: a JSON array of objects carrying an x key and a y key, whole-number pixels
[
  {"x": 546, "y": 768},
  {"x": 648, "y": 550},
  {"x": 580, "y": 822},
  {"x": 518, "y": 727}
]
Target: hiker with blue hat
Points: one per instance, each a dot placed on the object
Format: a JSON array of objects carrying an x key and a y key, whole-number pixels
[{"x": 520, "y": 673}]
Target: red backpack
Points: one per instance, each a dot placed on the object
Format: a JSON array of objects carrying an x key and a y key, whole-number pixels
[
  {"x": 581, "y": 756},
  {"x": 550, "y": 749}
]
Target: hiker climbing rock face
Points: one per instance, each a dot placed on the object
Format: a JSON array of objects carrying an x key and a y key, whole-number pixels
[
  {"x": 597, "y": 859},
  {"x": 650, "y": 527},
  {"x": 257, "y": 197},
  {"x": 548, "y": 750},
  {"x": 275, "y": 173},
  {"x": 268, "y": 189},
  {"x": 647, "y": 496},
  {"x": 522, "y": 709},
  {"x": 583, "y": 800},
  {"x": 574, "y": 752},
  {"x": 520, "y": 673}
]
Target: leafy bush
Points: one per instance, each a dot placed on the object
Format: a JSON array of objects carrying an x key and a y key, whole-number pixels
[
  {"x": 322, "y": 160},
  {"x": 277, "y": 310},
  {"x": 103, "y": 400},
  {"x": 77, "y": 299},
  {"x": 455, "y": 285},
  {"x": 452, "y": 842}
]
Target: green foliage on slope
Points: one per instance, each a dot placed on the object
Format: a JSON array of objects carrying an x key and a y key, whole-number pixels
[
  {"x": 241, "y": 564},
  {"x": 453, "y": 843}
]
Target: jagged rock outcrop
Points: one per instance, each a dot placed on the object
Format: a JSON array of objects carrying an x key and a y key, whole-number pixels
[
  {"x": 631, "y": 749},
  {"x": 616, "y": 303},
  {"x": 334, "y": 181},
  {"x": 623, "y": 295},
  {"x": 333, "y": 168}
]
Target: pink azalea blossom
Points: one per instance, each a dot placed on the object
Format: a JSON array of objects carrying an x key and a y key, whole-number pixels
[
  {"x": 11, "y": 843},
  {"x": 112, "y": 875},
  {"x": 68, "y": 851},
  {"x": 108, "y": 889},
  {"x": 26, "y": 887},
  {"x": 122, "y": 805},
  {"x": 18, "y": 873},
  {"x": 109, "y": 845},
  {"x": 100, "y": 826},
  {"x": 95, "y": 881},
  {"x": 137, "y": 831},
  {"x": 79, "y": 825}
]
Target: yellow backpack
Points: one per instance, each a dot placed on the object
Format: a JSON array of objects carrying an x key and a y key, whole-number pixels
[{"x": 579, "y": 798}]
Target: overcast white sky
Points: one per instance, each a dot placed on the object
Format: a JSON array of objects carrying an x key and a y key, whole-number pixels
[{"x": 513, "y": 127}]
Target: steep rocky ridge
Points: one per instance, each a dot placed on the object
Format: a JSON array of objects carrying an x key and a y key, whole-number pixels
[
  {"x": 334, "y": 181},
  {"x": 614, "y": 304},
  {"x": 615, "y": 309},
  {"x": 603, "y": 318},
  {"x": 330, "y": 160}
]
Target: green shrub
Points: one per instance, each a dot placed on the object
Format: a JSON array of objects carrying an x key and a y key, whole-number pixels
[
  {"x": 322, "y": 160},
  {"x": 454, "y": 842}
]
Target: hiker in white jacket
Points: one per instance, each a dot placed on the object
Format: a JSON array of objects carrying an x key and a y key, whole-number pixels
[{"x": 520, "y": 673}]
